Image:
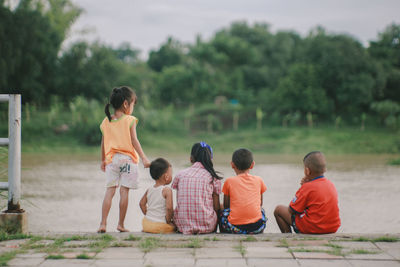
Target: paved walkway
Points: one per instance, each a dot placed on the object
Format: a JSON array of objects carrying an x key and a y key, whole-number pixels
[{"x": 139, "y": 249}]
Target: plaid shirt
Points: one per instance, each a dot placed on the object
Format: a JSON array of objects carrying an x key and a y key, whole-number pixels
[{"x": 194, "y": 212}]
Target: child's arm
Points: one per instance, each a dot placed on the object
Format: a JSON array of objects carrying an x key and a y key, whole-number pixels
[
  {"x": 227, "y": 201},
  {"x": 103, "y": 156},
  {"x": 143, "y": 203},
  {"x": 262, "y": 198},
  {"x": 169, "y": 212},
  {"x": 138, "y": 147},
  {"x": 216, "y": 203}
]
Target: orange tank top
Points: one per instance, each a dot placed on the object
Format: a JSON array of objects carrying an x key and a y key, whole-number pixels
[{"x": 117, "y": 137}]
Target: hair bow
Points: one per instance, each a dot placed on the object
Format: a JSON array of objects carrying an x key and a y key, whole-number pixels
[{"x": 204, "y": 144}]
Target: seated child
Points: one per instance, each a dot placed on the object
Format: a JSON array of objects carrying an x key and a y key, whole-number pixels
[
  {"x": 243, "y": 198},
  {"x": 314, "y": 209},
  {"x": 157, "y": 204}
]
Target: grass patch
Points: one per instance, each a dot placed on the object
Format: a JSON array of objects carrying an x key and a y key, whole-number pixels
[
  {"x": 149, "y": 243},
  {"x": 215, "y": 239},
  {"x": 249, "y": 238},
  {"x": 334, "y": 246},
  {"x": 194, "y": 243},
  {"x": 361, "y": 239},
  {"x": 385, "y": 239},
  {"x": 7, "y": 236},
  {"x": 55, "y": 257},
  {"x": 6, "y": 257},
  {"x": 241, "y": 249},
  {"x": 84, "y": 256},
  {"x": 394, "y": 162},
  {"x": 335, "y": 251},
  {"x": 362, "y": 251},
  {"x": 120, "y": 245},
  {"x": 133, "y": 238},
  {"x": 283, "y": 243}
]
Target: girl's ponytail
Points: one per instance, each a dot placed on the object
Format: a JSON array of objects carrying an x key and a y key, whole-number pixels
[
  {"x": 107, "y": 111},
  {"x": 202, "y": 153}
]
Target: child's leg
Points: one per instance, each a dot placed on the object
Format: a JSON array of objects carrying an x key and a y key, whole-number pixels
[
  {"x": 106, "y": 208},
  {"x": 283, "y": 218},
  {"x": 123, "y": 206}
]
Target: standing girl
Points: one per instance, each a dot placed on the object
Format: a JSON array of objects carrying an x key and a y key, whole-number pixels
[
  {"x": 198, "y": 189},
  {"x": 120, "y": 152}
]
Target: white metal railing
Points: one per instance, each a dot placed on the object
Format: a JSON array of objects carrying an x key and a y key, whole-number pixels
[{"x": 14, "y": 152}]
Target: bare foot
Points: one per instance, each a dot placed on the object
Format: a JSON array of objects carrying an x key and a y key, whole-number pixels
[
  {"x": 102, "y": 229},
  {"x": 122, "y": 229}
]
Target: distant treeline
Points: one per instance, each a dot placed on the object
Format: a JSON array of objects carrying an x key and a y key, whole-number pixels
[{"x": 322, "y": 76}]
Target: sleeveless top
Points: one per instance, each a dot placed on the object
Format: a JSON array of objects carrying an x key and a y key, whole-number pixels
[
  {"x": 117, "y": 137},
  {"x": 155, "y": 204}
]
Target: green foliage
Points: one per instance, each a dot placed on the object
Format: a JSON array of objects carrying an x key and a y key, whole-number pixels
[
  {"x": 149, "y": 243},
  {"x": 55, "y": 257},
  {"x": 6, "y": 257}
]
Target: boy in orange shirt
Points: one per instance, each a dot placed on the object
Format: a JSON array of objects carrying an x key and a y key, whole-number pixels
[
  {"x": 243, "y": 198},
  {"x": 314, "y": 209}
]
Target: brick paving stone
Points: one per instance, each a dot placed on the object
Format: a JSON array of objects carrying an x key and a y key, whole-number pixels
[
  {"x": 355, "y": 245},
  {"x": 179, "y": 261},
  {"x": 323, "y": 263},
  {"x": 221, "y": 262},
  {"x": 267, "y": 252},
  {"x": 12, "y": 243},
  {"x": 272, "y": 262},
  {"x": 375, "y": 263},
  {"x": 381, "y": 255},
  {"x": 319, "y": 248},
  {"x": 223, "y": 252},
  {"x": 121, "y": 253},
  {"x": 315, "y": 255},
  {"x": 219, "y": 244},
  {"x": 31, "y": 255},
  {"x": 395, "y": 253},
  {"x": 117, "y": 262},
  {"x": 266, "y": 244},
  {"x": 25, "y": 261},
  {"x": 67, "y": 263},
  {"x": 165, "y": 253},
  {"x": 388, "y": 245},
  {"x": 307, "y": 242}
]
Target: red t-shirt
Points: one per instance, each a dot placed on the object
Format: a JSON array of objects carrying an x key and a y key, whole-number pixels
[{"x": 316, "y": 207}]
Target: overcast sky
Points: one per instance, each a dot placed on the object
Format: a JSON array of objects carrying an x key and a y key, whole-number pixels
[{"x": 145, "y": 24}]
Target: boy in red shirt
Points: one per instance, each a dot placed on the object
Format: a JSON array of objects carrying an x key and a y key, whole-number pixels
[
  {"x": 243, "y": 198},
  {"x": 314, "y": 209}
]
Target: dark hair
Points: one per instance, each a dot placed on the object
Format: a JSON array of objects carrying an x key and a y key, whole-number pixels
[
  {"x": 315, "y": 161},
  {"x": 202, "y": 152},
  {"x": 242, "y": 158},
  {"x": 158, "y": 167},
  {"x": 117, "y": 98}
]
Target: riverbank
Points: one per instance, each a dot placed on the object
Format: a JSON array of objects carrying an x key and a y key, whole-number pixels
[
  {"x": 269, "y": 140},
  {"x": 140, "y": 249}
]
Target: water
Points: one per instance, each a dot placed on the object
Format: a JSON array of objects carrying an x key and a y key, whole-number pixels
[{"x": 65, "y": 192}]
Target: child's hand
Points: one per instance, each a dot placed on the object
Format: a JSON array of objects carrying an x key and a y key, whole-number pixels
[
  {"x": 103, "y": 166},
  {"x": 146, "y": 162},
  {"x": 304, "y": 180}
]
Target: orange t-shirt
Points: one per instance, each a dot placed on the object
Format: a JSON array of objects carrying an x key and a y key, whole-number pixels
[
  {"x": 316, "y": 207},
  {"x": 245, "y": 193},
  {"x": 117, "y": 137}
]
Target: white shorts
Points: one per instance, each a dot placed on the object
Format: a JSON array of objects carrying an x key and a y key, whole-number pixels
[{"x": 122, "y": 171}]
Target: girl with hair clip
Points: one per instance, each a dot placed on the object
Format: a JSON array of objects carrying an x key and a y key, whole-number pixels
[
  {"x": 198, "y": 188},
  {"x": 120, "y": 152}
]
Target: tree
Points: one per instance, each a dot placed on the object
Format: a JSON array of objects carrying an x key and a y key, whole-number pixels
[{"x": 169, "y": 54}]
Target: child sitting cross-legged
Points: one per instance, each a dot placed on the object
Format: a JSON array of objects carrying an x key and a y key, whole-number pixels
[
  {"x": 243, "y": 198},
  {"x": 157, "y": 203}
]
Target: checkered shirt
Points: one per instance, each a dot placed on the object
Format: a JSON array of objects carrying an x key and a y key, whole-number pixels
[{"x": 194, "y": 212}]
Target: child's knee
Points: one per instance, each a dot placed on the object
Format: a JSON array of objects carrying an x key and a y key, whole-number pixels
[{"x": 280, "y": 210}]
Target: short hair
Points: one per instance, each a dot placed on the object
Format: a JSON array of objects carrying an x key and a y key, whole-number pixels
[
  {"x": 315, "y": 161},
  {"x": 158, "y": 167},
  {"x": 242, "y": 158}
]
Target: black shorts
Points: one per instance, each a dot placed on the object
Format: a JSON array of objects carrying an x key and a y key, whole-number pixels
[{"x": 295, "y": 229}]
